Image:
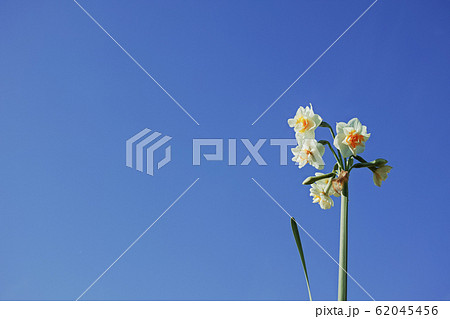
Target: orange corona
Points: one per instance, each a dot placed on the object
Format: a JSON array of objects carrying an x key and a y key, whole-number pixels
[{"x": 354, "y": 139}]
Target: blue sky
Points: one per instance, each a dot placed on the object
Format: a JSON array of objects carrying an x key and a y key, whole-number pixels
[{"x": 70, "y": 98}]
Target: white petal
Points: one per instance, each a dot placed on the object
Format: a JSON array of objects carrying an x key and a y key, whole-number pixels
[
  {"x": 300, "y": 137},
  {"x": 309, "y": 135},
  {"x": 301, "y": 163},
  {"x": 364, "y": 130},
  {"x": 317, "y": 119},
  {"x": 296, "y": 150},
  {"x": 309, "y": 142},
  {"x": 346, "y": 150},
  {"x": 338, "y": 140},
  {"x": 355, "y": 123},
  {"x": 321, "y": 149},
  {"x": 291, "y": 122},
  {"x": 339, "y": 127},
  {"x": 318, "y": 163},
  {"x": 308, "y": 111},
  {"x": 300, "y": 111},
  {"x": 359, "y": 149}
]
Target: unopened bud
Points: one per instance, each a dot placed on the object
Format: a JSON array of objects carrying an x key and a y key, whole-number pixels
[
  {"x": 312, "y": 179},
  {"x": 376, "y": 163}
]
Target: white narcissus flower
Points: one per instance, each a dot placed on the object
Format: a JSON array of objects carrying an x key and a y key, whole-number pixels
[
  {"x": 309, "y": 151},
  {"x": 319, "y": 195},
  {"x": 351, "y": 137},
  {"x": 380, "y": 174},
  {"x": 305, "y": 122}
]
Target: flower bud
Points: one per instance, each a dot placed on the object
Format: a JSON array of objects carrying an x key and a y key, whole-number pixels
[
  {"x": 312, "y": 179},
  {"x": 376, "y": 163}
]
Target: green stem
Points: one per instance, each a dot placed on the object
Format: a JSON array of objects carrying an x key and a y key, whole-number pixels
[
  {"x": 325, "y": 124},
  {"x": 373, "y": 165},
  {"x": 343, "y": 245},
  {"x": 338, "y": 159},
  {"x": 359, "y": 158}
]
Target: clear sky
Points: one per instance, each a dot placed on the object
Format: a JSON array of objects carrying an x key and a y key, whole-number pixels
[{"x": 70, "y": 98}]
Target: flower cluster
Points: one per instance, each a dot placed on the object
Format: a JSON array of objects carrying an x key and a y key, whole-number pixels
[
  {"x": 308, "y": 151},
  {"x": 349, "y": 141}
]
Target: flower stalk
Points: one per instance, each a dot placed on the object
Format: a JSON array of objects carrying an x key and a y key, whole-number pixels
[{"x": 343, "y": 245}]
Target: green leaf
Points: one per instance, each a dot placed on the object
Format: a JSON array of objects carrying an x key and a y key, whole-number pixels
[{"x": 300, "y": 250}]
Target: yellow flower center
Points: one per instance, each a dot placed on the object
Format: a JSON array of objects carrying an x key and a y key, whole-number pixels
[
  {"x": 303, "y": 123},
  {"x": 354, "y": 139}
]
